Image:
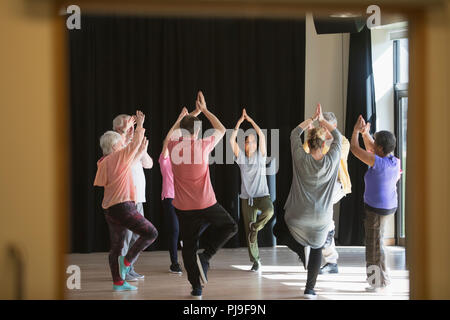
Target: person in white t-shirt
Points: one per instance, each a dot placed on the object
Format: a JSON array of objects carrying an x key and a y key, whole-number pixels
[{"x": 145, "y": 162}]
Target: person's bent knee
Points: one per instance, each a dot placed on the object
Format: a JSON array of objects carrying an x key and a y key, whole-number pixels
[
  {"x": 150, "y": 234},
  {"x": 233, "y": 228}
]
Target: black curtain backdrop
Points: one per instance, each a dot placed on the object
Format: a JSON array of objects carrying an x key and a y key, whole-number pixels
[
  {"x": 121, "y": 63},
  {"x": 360, "y": 101}
]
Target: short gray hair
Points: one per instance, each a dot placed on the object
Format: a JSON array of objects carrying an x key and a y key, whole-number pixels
[
  {"x": 330, "y": 117},
  {"x": 108, "y": 140},
  {"x": 119, "y": 122}
]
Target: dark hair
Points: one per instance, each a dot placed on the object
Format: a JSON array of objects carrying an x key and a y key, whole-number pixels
[
  {"x": 188, "y": 123},
  {"x": 316, "y": 138},
  {"x": 386, "y": 140}
]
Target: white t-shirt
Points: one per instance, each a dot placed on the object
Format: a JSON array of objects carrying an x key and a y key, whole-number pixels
[{"x": 139, "y": 181}]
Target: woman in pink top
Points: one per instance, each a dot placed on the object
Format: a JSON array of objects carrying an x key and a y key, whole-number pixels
[{"x": 119, "y": 200}]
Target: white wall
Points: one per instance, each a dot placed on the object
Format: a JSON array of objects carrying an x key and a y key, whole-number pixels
[
  {"x": 326, "y": 72},
  {"x": 326, "y": 77}
]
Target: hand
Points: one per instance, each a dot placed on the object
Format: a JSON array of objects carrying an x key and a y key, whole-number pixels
[
  {"x": 200, "y": 103},
  {"x": 359, "y": 125},
  {"x": 184, "y": 112},
  {"x": 319, "y": 113},
  {"x": 144, "y": 145},
  {"x": 129, "y": 134},
  {"x": 246, "y": 116},
  {"x": 366, "y": 128},
  {"x": 140, "y": 117},
  {"x": 130, "y": 123}
]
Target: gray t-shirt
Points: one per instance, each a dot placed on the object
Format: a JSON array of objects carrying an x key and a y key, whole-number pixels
[
  {"x": 309, "y": 206},
  {"x": 253, "y": 176}
]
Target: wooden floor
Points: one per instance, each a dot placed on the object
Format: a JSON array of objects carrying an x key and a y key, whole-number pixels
[{"x": 281, "y": 277}]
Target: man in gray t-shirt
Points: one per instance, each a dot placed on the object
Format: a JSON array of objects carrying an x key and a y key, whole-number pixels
[{"x": 255, "y": 194}]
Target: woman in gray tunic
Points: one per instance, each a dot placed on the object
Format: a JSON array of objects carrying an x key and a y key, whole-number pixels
[{"x": 309, "y": 206}]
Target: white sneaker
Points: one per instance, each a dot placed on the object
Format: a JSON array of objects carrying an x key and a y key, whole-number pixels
[{"x": 381, "y": 290}]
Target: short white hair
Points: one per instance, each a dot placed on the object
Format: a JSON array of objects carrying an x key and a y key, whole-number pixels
[
  {"x": 108, "y": 140},
  {"x": 330, "y": 117},
  {"x": 120, "y": 121}
]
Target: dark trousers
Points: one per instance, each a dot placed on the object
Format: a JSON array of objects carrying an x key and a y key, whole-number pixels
[
  {"x": 192, "y": 224},
  {"x": 374, "y": 225},
  {"x": 281, "y": 231},
  {"x": 173, "y": 229},
  {"x": 121, "y": 217}
]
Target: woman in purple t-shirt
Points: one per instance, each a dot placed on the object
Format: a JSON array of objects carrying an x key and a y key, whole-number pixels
[{"x": 380, "y": 196}]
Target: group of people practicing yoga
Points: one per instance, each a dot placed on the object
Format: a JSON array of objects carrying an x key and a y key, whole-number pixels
[{"x": 320, "y": 179}]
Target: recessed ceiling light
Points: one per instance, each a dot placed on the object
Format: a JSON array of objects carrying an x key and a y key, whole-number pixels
[{"x": 345, "y": 15}]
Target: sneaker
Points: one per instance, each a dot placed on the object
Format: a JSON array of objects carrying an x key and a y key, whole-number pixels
[
  {"x": 123, "y": 269},
  {"x": 196, "y": 293},
  {"x": 307, "y": 251},
  {"x": 252, "y": 233},
  {"x": 310, "y": 294},
  {"x": 382, "y": 290},
  {"x": 329, "y": 268},
  {"x": 130, "y": 278},
  {"x": 255, "y": 266},
  {"x": 136, "y": 275},
  {"x": 203, "y": 267},
  {"x": 124, "y": 287},
  {"x": 175, "y": 268}
]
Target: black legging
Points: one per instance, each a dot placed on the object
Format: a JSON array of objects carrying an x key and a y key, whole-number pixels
[
  {"x": 172, "y": 228},
  {"x": 192, "y": 225},
  {"x": 284, "y": 236}
]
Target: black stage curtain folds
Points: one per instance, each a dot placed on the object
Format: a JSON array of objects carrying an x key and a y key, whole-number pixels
[
  {"x": 360, "y": 101},
  {"x": 122, "y": 63}
]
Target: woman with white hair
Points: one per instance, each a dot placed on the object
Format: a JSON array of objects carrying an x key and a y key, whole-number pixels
[
  {"x": 119, "y": 200},
  {"x": 121, "y": 126}
]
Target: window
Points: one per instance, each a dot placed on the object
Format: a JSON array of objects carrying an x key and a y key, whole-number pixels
[{"x": 401, "y": 76}]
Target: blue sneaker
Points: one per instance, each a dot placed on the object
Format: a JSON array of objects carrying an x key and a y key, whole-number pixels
[
  {"x": 123, "y": 269},
  {"x": 124, "y": 287},
  {"x": 196, "y": 293}
]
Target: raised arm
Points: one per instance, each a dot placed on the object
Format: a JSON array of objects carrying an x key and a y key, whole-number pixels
[
  {"x": 363, "y": 155},
  {"x": 133, "y": 146},
  {"x": 234, "y": 145},
  {"x": 262, "y": 137},
  {"x": 219, "y": 129},
  {"x": 369, "y": 143},
  {"x": 175, "y": 126},
  {"x": 296, "y": 142},
  {"x": 143, "y": 151}
]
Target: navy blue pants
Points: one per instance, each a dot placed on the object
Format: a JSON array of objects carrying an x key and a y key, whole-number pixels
[{"x": 172, "y": 228}]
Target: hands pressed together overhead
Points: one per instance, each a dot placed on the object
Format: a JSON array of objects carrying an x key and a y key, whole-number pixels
[{"x": 361, "y": 126}]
